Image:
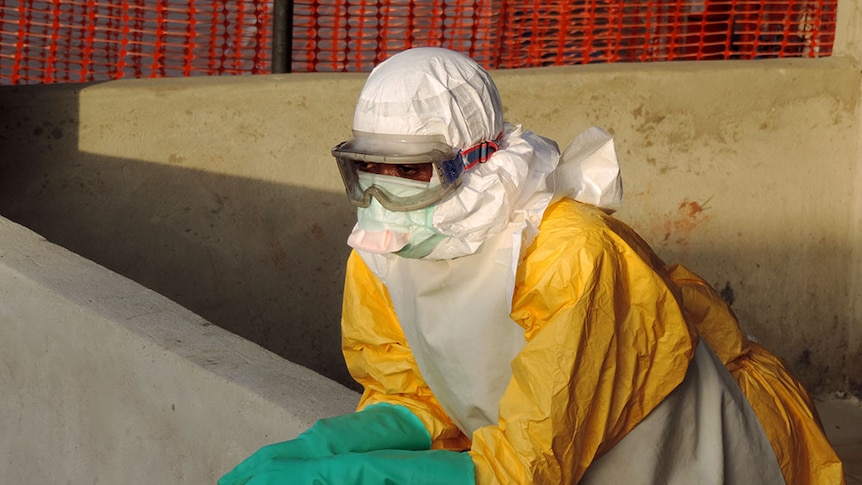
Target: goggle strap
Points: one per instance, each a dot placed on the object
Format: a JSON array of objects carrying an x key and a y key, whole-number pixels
[{"x": 478, "y": 153}]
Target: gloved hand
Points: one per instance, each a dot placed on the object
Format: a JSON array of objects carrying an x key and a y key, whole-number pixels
[
  {"x": 434, "y": 467},
  {"x": 378, "y": 427}
]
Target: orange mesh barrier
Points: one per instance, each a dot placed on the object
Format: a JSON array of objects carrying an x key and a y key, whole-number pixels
[
  {"x": 332, "y": 35},
  {"x": 88, "y": 40}
]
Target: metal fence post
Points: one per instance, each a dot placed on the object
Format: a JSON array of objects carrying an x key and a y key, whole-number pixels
[{"x": 282, "y": 36}]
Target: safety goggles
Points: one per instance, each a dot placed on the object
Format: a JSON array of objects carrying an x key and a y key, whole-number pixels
[{"x": 448, "y": 164}]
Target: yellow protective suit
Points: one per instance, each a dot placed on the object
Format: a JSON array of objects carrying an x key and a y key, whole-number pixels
[
  {"x": 783, "y": 407},
  {"x": 609, "y": 335}
]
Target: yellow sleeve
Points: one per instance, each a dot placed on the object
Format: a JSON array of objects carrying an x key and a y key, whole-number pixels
[
  {"x": 607, "y": 342},
  {"x": 379, "y": 358},
  {"x": 783, "y": 407}
]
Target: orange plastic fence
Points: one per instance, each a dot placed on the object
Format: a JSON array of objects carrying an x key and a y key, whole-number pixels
[
  {"x": 355, "y": 35},
  {"x": 87, "y": 40}
]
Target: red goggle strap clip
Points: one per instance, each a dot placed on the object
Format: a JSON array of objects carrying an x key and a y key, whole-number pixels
[{"x": 479, "y": 153}]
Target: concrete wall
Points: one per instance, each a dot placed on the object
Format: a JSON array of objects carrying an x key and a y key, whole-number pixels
[
  {"x": 220, "y": 193},
  {"x": 848, "y": 44},
  {"x": 105, "y": 381}
]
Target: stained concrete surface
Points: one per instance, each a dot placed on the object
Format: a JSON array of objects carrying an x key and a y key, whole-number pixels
[{"x": 842, "y": 421}]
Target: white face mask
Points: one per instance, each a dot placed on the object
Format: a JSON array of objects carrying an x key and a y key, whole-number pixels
[{"x": 410, "y": 234}]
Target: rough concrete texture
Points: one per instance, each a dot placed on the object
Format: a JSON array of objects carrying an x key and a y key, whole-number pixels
[
  {"x": 105, "y": 381},
  {"x": 842, "y": 421},
  {"x": 220, "y": 193},
  {"x": 848, "y": 43}
]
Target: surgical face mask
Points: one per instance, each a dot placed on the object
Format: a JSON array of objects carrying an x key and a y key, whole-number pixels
[{"x": 409, "y": 234}]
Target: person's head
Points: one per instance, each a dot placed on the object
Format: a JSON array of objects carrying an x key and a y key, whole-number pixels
[
  {"x": 426, "y": 115},
  {"x": 430, "y": 165}
]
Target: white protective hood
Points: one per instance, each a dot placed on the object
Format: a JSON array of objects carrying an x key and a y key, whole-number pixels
[{"x": 454, "y": 304}]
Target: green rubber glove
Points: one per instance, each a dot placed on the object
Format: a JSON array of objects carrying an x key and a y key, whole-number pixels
[
  {"x": 384, "y": 467},
  {"x": 378, "y": 427}
]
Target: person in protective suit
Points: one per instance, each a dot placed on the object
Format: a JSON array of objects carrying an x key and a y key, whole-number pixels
[{"x": 507, "y": 329}]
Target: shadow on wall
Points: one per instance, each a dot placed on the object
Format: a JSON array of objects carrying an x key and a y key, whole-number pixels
[{"x": 262, "y": 260}]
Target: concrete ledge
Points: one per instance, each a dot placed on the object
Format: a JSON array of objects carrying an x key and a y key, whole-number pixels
[{"x": 105, "y": 381}]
